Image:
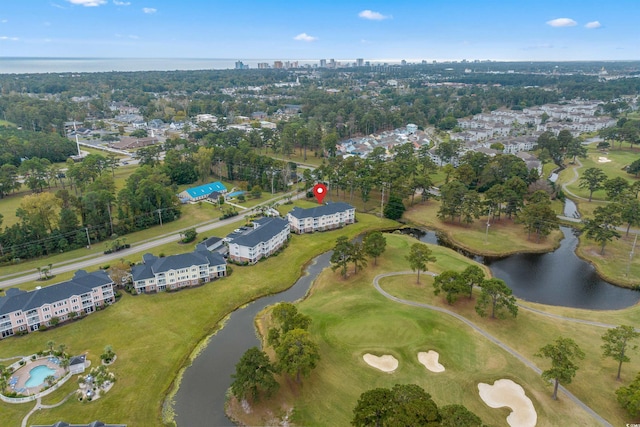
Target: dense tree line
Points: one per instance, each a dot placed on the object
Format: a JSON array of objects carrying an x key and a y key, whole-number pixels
[
  {"x": 408, "y": 405},
  {"x": 87, "y": 209},
  {"x": 16, "y": 145}
]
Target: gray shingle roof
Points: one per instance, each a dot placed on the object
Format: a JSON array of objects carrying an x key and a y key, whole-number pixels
[
  {"x": 321, "y": 210},
  {"x": 267, "y": 229},
  {"x": 81, "y": 283},
  {"x": 153, "y": 265}
]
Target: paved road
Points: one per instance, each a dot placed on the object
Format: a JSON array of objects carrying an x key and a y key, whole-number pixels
[
  {"x": 485, "y": 334},
  {"x": 135, "y": 249}
]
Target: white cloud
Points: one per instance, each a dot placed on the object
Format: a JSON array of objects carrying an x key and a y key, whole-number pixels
[
  {"x": 149, "y": 10},
  {"x": 374, "y": 16},
  {"x": 121, "y": 3},
  {"x": 13, "y": 39},
  {"x": 593, "y": 25},
  {"x": 562, "y": 22},
  {"x": 4, "y": 21},
  {"x": 305, "y": 37},
  {"x": 88, "y": 3}
]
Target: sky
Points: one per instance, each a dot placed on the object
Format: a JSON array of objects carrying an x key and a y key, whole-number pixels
[{"x": 414, "y": 30}]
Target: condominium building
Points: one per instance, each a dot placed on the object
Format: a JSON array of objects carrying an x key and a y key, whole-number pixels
[
  {"x": 321, "y": 218},
  {"x": 27, "y": 311},
  {"x": 177, "y": 271},
  {"x": 267, "y": 236}
]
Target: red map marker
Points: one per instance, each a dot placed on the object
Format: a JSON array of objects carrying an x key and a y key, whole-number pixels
[{"x": 319, "y": 190}]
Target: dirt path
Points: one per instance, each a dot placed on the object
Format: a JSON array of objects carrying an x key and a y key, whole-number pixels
[{"x": 485, "y": 334}]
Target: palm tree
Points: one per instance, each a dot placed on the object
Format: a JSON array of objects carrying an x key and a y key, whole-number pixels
[
  {"x": 51, "y": 344},
  {"x": 50, "y": 380}
]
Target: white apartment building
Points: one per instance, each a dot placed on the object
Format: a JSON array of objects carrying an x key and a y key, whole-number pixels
[
  {"x": 321, "y": 218},
  {"x": 177, "y": 271},
  {"x": 267, "y": 236}
]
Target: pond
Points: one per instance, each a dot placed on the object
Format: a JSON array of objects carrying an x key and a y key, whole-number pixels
[
  {"x": 201, "y": 396},
  {"x": 556, "y": 278}
]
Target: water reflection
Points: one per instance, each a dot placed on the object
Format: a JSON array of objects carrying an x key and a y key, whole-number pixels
[{"x": 556, "y": 278}]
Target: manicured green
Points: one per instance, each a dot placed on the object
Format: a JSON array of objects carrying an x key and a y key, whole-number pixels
[
  {"x": 154, "y": 335},
  {"x": 350, "y": 318},
  {"x": 615, "y": 168},
  {"x": 595, "y": 382}
]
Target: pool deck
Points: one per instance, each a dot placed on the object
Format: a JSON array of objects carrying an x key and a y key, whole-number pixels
[{"x": 22, "y": 375}]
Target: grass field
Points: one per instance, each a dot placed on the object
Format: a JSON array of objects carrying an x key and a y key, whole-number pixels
[
  {"x": 6, "y": 123},
  {"x": 619, "y": 158},
  {"x": 154, "y": 335},
  {"x": 350, "y": 318},
  {"x": 616, "y": 265},
  {"x": 503, "y": 238}
]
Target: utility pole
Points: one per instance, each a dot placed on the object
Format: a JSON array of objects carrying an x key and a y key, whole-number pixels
[
  {"x": 384, "y": 184},
  {"x": 486, "y": 233},
  {"x": 633, "y": 248},
  {"x": 88, "y": 238},
  {"x": 160, "y": 216}
]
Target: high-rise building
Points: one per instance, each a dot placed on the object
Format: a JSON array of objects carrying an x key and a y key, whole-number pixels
[
  {"x": 277, "y": 64},
  {"x": 323, "y": 63},
  {"x": 359, "y": 62},
  {"x": 239, "y": 65},
  {"x": 263, "y": 65}
]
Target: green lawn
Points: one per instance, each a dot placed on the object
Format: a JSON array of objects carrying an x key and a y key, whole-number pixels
[
  {"x": 350, "y": 318},
  {"x": 595, "y": 381},
  {"x": 296, "y": 157},
  {"x": 6, "y": 123},
  {"x": 154, "y": 335},
  {"x": 615, "y": 265},
  {"x": 619, "y": 158},
  {"x": 503, "y": 238}
]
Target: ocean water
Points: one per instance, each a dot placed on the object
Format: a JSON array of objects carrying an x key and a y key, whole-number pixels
[{"x": 14, "y": 65}]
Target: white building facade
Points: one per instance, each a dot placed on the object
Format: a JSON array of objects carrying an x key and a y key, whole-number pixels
[
  {"x": 321, "y": 218},
  {"x": 267, "y": 236}
]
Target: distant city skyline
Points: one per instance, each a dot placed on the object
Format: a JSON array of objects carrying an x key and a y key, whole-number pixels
[{"x": 413, "y": 30}]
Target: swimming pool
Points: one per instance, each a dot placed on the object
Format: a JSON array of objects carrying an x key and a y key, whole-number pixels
[
  {"x": 38, "y": 374},
  {"x": 235, "y": 194}
]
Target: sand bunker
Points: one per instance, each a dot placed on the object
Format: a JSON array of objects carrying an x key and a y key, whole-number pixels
[
  {"x": 507, "y": 393},
  {"x": 603, "y": 160},
  {"x": 430, "y": 360},
  {"x": 385, "y": 363}
]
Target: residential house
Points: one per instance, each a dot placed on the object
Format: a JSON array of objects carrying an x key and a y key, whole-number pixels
[
  {"x": 321, "y": 218},
  {"x": 266, "y": 237},
  {"x": 177, "y": 271},
  {"x": 22, "y": 311},
  {"x": 201, "y": 192}
]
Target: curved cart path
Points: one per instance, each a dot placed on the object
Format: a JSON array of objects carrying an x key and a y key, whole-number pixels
[
  {"x": 484, "y": 333},
  {"x": 40, "y": 406}
]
